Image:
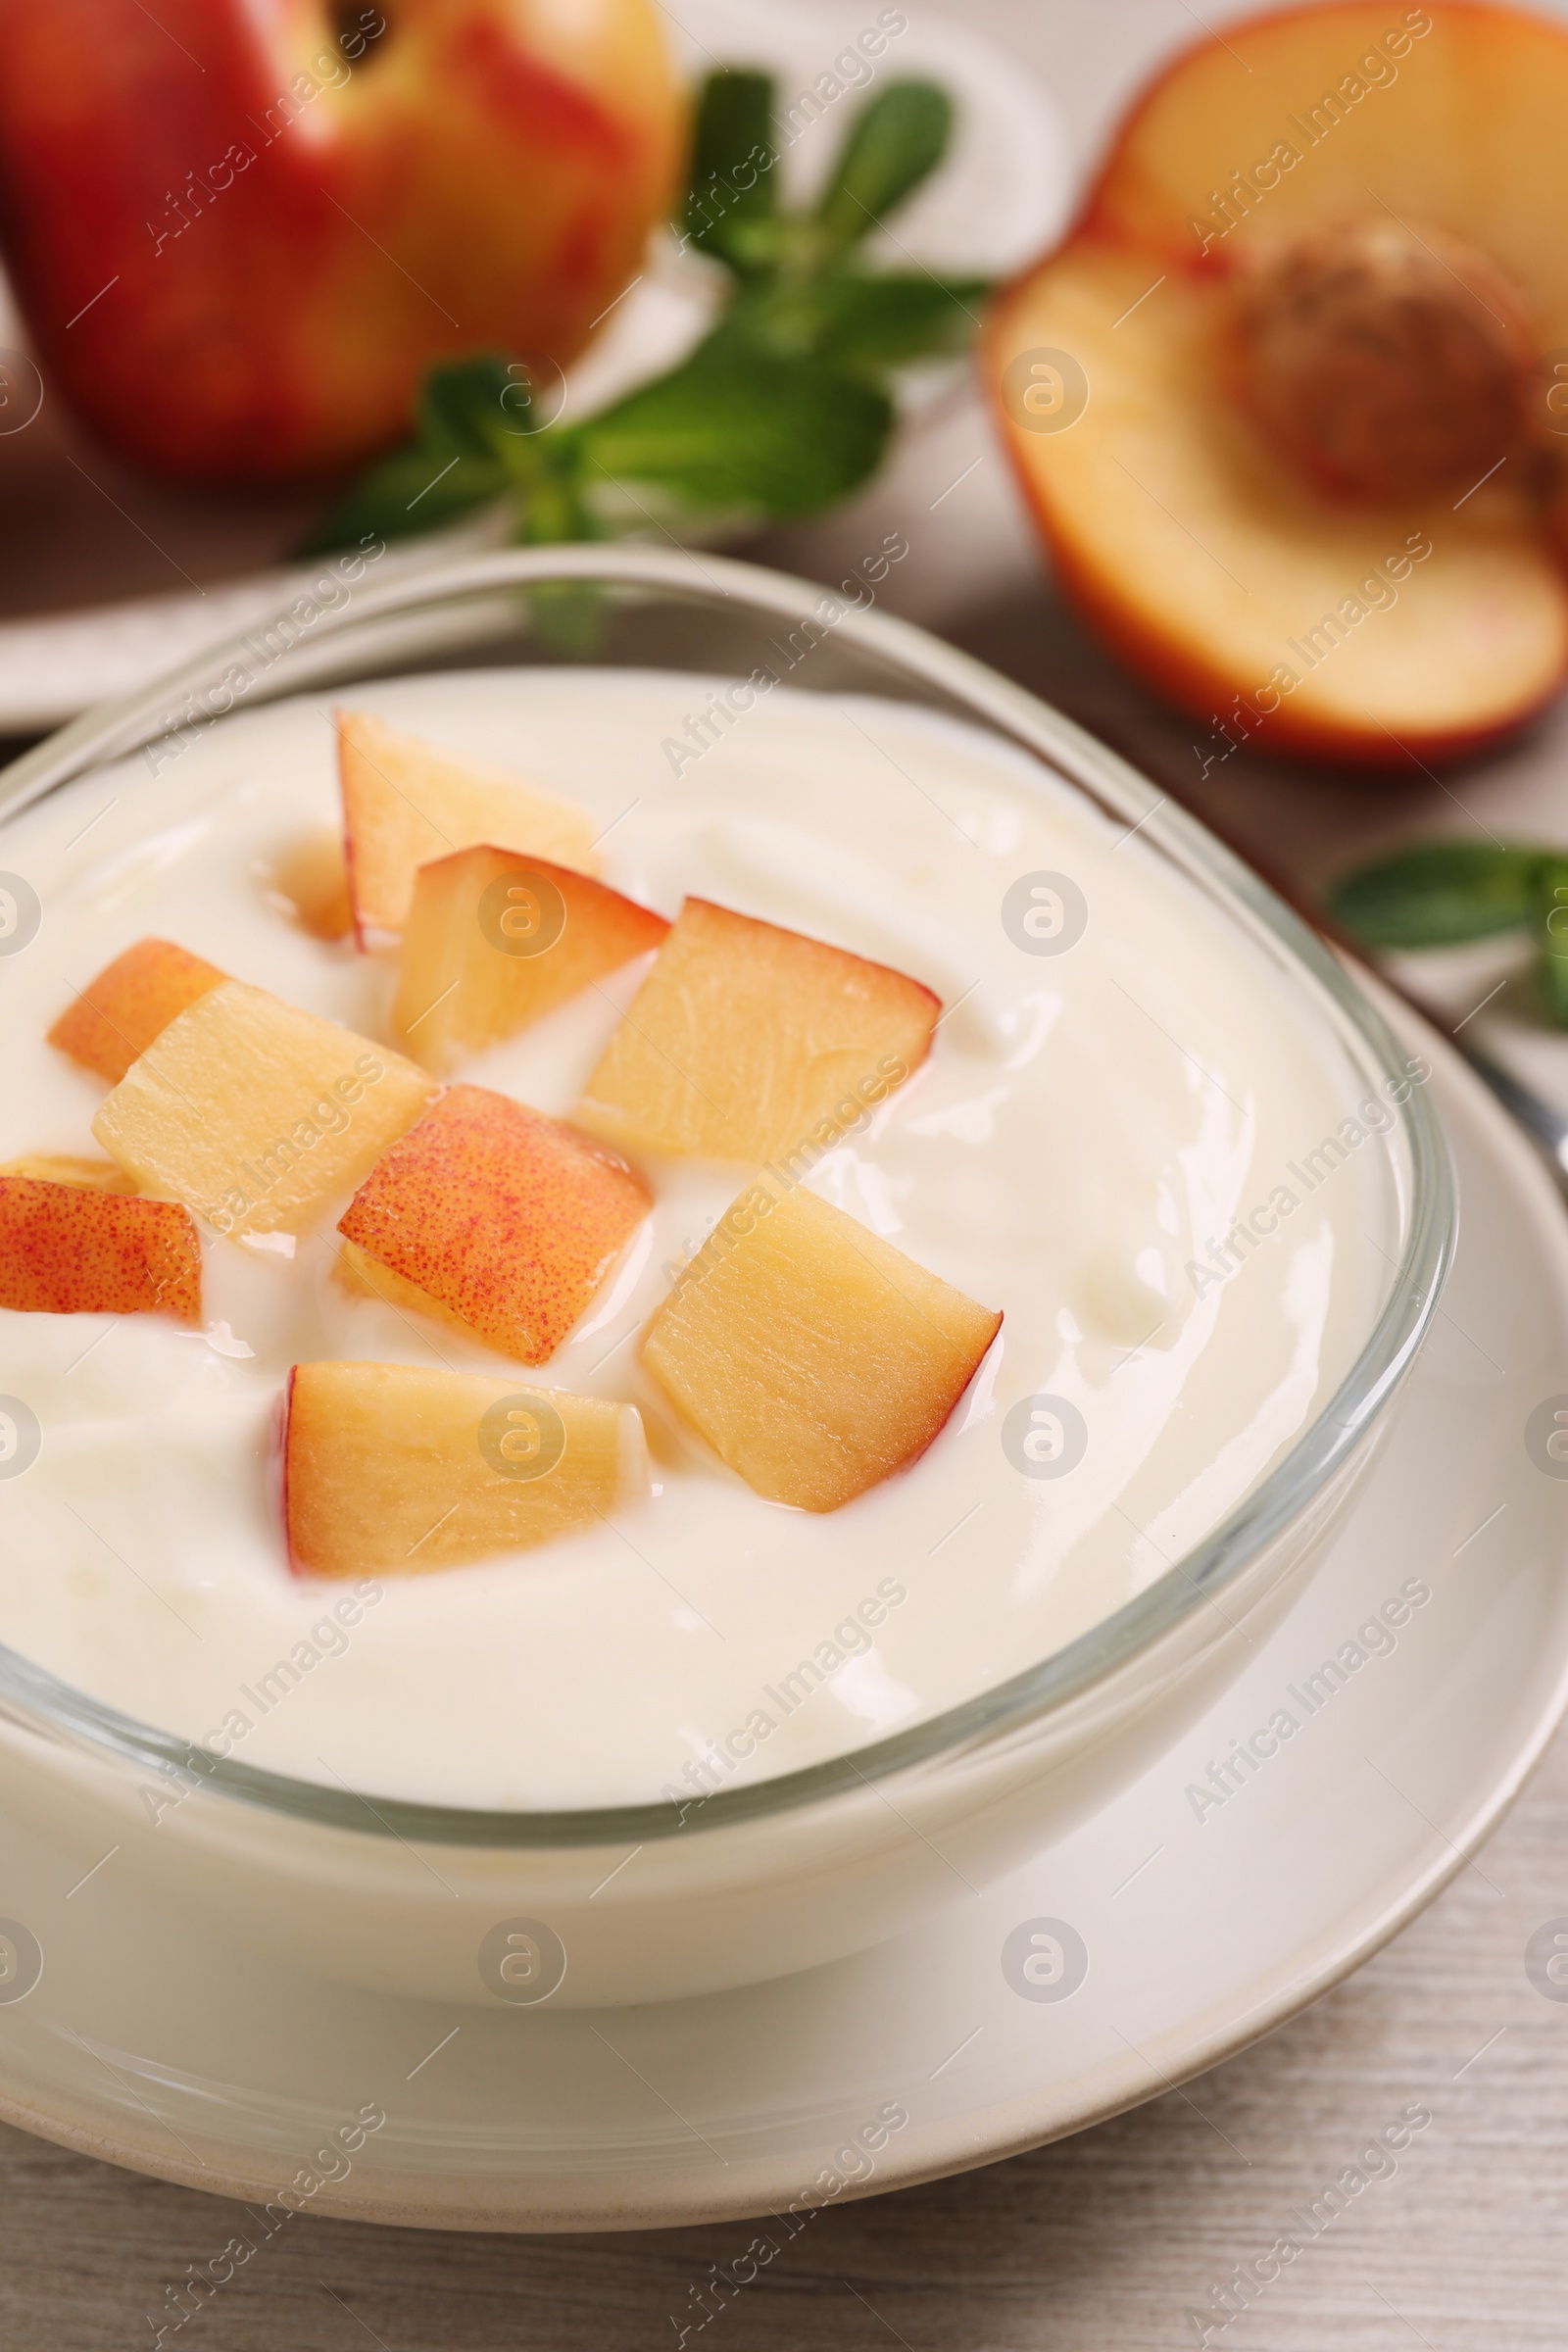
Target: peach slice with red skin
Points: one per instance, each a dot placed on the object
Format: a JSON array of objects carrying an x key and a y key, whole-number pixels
[
  {"x": 503, "y": 1219},
  {"x": 748, "y": 1041},
  {"x": 133, "y": 1000},
  {"x": 73, "y": 1250},
  {"x": 257, "y": 1114},
  {"x": 393, "y": 1469},
  {"x": 1288, "y": 321},
  {"x": 494, "y": 941},
  {"x": 361, "y": 1276},
  {"x": 814, "y": 1358},
  {"x": 407, "y": 801}
]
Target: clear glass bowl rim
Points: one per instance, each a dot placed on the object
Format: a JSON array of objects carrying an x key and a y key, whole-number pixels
[{"x": 39, "y": 1700}]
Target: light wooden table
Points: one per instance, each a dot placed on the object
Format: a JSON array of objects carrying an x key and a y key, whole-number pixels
[{"x": 1103, "y": 2243}]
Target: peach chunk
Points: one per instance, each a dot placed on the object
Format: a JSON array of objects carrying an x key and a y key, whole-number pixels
[
  {"x": 308, "y": 882},
  {"x": 72, "y": 1250},
  {"x": 61, "y": 1167},
  {"x": 494, "y": 941},
  {"x": 391, "y": 1469},
  {"x": 746, "y": 1041},
  {"x": 503, "y": 1219},
  {"x": 814, "y": 1356},
  {"x": 405, "y": 802},
  {"x": 364, "y": 1277},
  {"x": 255, "y": 1115},
  {"x": 131, "y": 1001}
]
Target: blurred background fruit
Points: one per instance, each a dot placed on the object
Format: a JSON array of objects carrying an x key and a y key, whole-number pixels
[
  {"x": 240, "y": 229},
  {"x": 784, "y": 413},
  {"x": 1282, "y": 402}
]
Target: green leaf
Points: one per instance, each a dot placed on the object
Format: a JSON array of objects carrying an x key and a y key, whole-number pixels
[
  {"x": 1551, "y": 987},
  {"x": 462, "y": 455},
  {"x": 464, "y": 404},
  {"x": 553, "y": 508},
  {"x": 888, "y": 322},
  {"x": 896, "y": 141},
  {"x": 411, "y": 491},
  {"x": 862, "y": 323},
  {"x": 738, "y": 429},
  {"x": 1437, "y": 892},
  {"x": 730, "y": 187},
  {"x": 1550, "y": 911}
]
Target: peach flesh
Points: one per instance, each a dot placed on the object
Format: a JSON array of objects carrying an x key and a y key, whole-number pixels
[
  {"x": 73, "y": 1250},
  {"x": 398, "y": 1469},
  {"x": 504, "y": 1218}
]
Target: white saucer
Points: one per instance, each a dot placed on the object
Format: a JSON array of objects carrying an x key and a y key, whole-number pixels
[{"x": 181, "y": 2056}]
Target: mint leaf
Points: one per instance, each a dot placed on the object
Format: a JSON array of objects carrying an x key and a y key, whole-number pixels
[
  {"x": 730, "y": 186},
  {"x": 895, "y": 142},
  {"x": 414, "y": 490},
  {"x": 737, "y": 429},
  {"x": 461, "y": 455},
  {"x": 464, "y": 406},
  {"x": 862, "y": 323},
  {"x": 1550, "y": 911},
  {"x": 888, "y": 322},
  {"x": 1438, "y": 893}
]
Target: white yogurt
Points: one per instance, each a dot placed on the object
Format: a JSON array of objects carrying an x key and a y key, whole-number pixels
[{"x": 1089, "y": 1124}]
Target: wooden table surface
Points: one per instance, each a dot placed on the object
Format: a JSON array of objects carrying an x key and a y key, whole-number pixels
[{"x": 1105, "y": 2242}]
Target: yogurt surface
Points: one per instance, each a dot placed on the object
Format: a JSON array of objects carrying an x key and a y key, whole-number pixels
[{"x": 1119, "y": 1075}]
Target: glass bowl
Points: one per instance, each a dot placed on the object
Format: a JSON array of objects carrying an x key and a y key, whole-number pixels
[{"x": 784, "y": 1871}]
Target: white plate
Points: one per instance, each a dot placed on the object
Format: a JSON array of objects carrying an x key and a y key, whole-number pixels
[
  {"x": 1000, "y": 196},
  {"x": 170, "y": 2052}
]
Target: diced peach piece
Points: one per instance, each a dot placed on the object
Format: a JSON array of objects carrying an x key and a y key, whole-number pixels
[
  {"x": 364, "y": 1277},
  {"x": 131, "y": 1001},
  {"x": 493, "y": 941},
  {"x": 506, "y": 1219},
  {"x": 255, "y": 1115},
  {"x": 747, "y": 1040},
  {"x": 309, "y": 883},
  {"x": 61, "y": 1167},
  {"x": 814, "y": 1356},
  {"x": 390, "y": 1469},
  {"x": 405, "y": 801},
  {"x": 70, "y": 1249}
]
